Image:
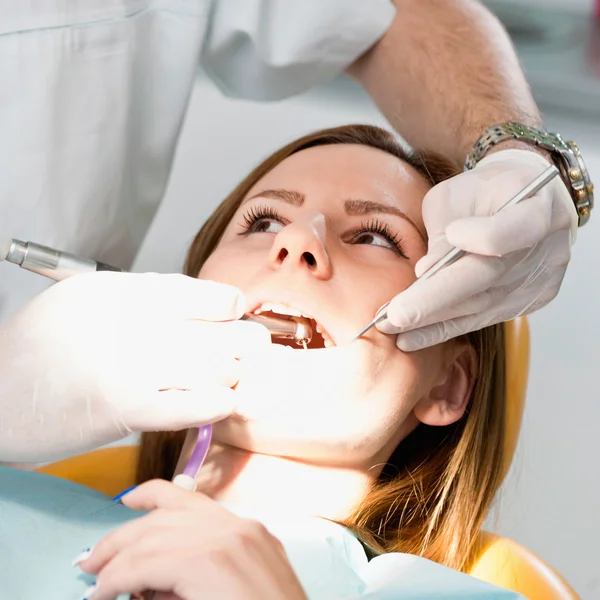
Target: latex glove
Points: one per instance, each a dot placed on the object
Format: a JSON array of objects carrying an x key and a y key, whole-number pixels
[
  {"x": 99, "y": 356},
  {"x": 517, "y": 258},
  {"x": 189, "y": 547}
]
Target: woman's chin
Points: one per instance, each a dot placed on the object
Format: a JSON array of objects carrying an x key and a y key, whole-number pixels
[{"x": 311, "y": 403}]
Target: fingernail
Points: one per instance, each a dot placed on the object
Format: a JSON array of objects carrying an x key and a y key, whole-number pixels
[
  {"x": 118, "y": 497},
  {"x": 83, "y": 555},
  {"x": 87, "y": 595}
]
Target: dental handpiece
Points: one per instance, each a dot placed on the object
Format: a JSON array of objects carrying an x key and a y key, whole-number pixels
[
  {"x": 51, "y": 263},
  {"x": 58, "y": 265}
]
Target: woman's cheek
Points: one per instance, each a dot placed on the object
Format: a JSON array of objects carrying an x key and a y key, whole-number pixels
[{"x": 225, "y": 268}]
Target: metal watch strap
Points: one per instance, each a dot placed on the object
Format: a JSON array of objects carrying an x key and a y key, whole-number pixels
[{"x": 575, "y": 174}]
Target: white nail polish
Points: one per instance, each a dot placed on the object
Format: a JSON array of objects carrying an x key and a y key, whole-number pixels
[
  {"x": 88, "y": 593},
  {"x": 83, "y": 555}
]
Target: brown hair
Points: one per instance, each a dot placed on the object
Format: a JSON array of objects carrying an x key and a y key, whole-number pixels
[{"x": 433, "y": 494}]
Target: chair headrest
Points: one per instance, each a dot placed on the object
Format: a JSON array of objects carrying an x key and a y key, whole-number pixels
[{"x": 517, "y": 374}]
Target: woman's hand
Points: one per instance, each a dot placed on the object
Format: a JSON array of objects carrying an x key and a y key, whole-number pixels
[
  {"x": 189, "y": 547},
  {"x": 99, "y": 356}
]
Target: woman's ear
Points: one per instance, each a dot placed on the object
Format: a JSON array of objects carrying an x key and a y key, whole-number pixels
[{"x": 448, "y": 398}]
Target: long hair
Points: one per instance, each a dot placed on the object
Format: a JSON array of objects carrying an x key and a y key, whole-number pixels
[{"x": 437, "y": 487}]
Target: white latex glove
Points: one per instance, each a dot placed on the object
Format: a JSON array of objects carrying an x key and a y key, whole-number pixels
[
  {"x": 517, "y": 258},
  {"x": 99, "y": 356}
]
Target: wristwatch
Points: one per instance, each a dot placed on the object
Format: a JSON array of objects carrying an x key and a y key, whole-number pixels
[{"x": 566, "y": 155}]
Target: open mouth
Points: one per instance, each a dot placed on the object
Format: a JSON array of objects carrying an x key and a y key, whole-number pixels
[{"x": 320, "y": 337}]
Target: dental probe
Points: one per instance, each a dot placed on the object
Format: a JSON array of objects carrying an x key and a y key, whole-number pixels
[
  {"x": 453, "y": 255},
  {"x": 58, "y": 265}
]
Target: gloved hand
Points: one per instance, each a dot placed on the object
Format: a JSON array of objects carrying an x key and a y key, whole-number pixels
[
  {"x": 517, "y": 258},
  {"x": 99, "y": 356}
]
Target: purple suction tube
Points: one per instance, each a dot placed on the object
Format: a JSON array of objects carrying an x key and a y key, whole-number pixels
[{"x": 199, "y": 452}]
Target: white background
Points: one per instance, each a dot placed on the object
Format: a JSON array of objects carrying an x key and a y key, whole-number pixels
[{"x": 550, "y": 501}]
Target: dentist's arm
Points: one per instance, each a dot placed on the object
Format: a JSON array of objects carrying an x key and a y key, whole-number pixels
[
  {"x": 102, "y": 355},
  {"x": 442, "y": 74}
]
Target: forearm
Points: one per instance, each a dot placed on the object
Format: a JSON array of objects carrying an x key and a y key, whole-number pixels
[
  {"x": 444, "y": 72},
  {"x": 43, "y": 413}
]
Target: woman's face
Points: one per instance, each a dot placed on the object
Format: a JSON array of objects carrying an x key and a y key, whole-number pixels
[{"x": 332, "y": 232}]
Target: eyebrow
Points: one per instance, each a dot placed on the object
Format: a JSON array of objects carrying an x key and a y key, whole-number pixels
[
  {"x": 365, "y": 207},
  {"x": 288, "y": 196},
  {"x": 352, "y": 207}
]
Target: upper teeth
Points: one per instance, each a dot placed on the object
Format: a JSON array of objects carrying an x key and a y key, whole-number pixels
[{"x": 280, "y": 309}]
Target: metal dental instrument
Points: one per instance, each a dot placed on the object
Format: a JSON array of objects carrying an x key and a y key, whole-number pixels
[
  {"x": 51, "y": 263},
  {"x": 294, "y": 328},
  {"x": 453, "y": 255},
  {"x": 58, "y": 265}
]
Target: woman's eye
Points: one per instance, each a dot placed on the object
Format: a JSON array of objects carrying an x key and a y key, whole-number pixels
[
  {"x": 378, "y": 233},
  {"x": 262, "y": 219},
  {"x": 373, "y": 239},
  {"x": 267, "y": 226}
]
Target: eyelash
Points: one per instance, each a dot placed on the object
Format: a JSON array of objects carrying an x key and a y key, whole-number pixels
[
  {"x": 259, "y": 213},
  {"x": 384, "y": 230}
]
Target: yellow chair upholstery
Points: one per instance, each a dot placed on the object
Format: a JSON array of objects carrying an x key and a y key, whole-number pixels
[
  {"x": 509, "y": 565},
  {"x": 499, "y": 560},
  {"x": 108, "y": 470}
]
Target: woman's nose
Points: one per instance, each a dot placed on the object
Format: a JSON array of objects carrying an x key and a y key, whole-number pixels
[{"x": 302, "y": 244}]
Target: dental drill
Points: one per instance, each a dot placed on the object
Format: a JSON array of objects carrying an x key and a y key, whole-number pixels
[
  {"x": 58, "y": 265},
  {"x": 50, "y": 263}
]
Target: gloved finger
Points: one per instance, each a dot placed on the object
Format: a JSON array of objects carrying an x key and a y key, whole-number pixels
[
  {"x": 174, "y": 410},
  {"x": 186, "y": 297},
  {"x": 194, "y": 371},
  {"x": 471, "y": 306},
  {"x": 236, "y": 338},
  {"x": 514, "y": 228},
  {"x": 534, "y": 290},
  {"x": 532, "y": 296},
  {"x": 456, "y": 283},
  {"x": 438, "y": 333},
  {"x": 435, "y": 252}
]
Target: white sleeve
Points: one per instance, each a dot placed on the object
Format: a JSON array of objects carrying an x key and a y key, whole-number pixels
[{"x": 273, "y": 49}]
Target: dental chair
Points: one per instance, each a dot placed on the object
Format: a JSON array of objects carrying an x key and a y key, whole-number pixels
[{"x": 498, "y": 560}]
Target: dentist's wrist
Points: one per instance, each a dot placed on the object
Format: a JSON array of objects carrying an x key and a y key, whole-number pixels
[
  {"x": 565, "y": 154},
  {"x": 518, "y": 145}
]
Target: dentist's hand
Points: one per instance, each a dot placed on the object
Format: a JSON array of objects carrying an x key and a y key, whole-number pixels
[
  {"x": 517, "y": 258},
  {"x": 99, "y": 356}
]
